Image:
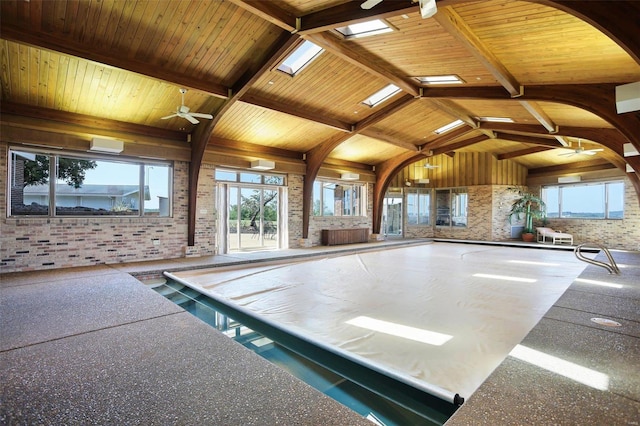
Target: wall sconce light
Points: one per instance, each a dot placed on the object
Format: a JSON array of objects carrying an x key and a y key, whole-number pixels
[
  {"x": 349, "y": 176},
  {"x": 422, "y": 181},
  {"x": 629, "y": 150},
  {"x": 569, "y": 179},
  {"x": 111, "y": 146},
  {"x": 263, "y": 165}
]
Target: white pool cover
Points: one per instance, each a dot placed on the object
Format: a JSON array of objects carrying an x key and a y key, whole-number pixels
[{"x": 440, "y": 317}]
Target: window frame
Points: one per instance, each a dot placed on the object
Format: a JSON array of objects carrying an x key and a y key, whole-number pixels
[
  {"x": 445, "y": 214},
  {"x": 53, "y": 185},
  {"x": 419, "y": 193},
  {"x": 357, "y": 205},
  {"x": 606, "y": 210}
]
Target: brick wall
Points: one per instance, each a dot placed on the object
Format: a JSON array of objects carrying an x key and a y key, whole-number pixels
[
  {"x": 33, "y": 243},
  {"x": 614, "y": 234},
  {"x": 318, "y": 223}
]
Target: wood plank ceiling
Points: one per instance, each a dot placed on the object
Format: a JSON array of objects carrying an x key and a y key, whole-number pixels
[{"x": 125, "y": 61}]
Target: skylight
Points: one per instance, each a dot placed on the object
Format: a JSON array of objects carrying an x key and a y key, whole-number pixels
[
  {"x": 365, "y": 29},
  {"x": 381, "y": 95},
  {"x": 440, "y": 79},
  {"x": 449, "y": 126},
  {"x": 495, "y": 119},
  {"x": 300, "y": 58}
]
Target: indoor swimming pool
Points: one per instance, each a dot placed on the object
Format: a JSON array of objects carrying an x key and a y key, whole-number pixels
[{"x": 376, "y": 397}]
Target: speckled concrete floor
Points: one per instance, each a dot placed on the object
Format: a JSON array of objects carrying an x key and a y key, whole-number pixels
[
  {"x": 607, "y": 358},
  {"x": 93, "y": 346}
]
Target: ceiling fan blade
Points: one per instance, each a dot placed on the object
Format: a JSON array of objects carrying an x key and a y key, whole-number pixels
[
  {"x": 169, "y": 116},
  {"x": 201, "y": 115},
  {"x": 369, "y": 4},
  {"x": 566, "y": 154},
  {"x": 190, "y": 118},
  {"x": 589, "y": 152}
]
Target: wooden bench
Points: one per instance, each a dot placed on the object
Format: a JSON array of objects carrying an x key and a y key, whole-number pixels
[{"x": 332, "y": 237}]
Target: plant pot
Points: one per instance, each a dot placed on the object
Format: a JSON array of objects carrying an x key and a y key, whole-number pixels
[{"x": 528, "y": 237}]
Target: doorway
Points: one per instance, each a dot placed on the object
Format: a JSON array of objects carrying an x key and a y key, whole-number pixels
[
  {"x": 392, "y": 214},
  {"x": 250, "y": 218}
]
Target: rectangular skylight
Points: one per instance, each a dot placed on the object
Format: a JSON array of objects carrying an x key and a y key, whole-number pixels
[
  {"x": 449, "y": 126},
  {"x": 440, "y": 79},
  {"x": 365, "y": 29},
  {"x": 300, "y": 58},
  {"x": 495, "y": 119},
  {"x": 381, "y": 95}
]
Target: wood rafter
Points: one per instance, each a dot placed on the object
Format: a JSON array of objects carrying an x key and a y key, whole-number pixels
[
  {"x": 388, "y": 72},
  {"x": 391, "y": 141},
  {"x": 202, "y": 135},
  {"x": 350, "y": 13},
  {"x": 523, "y": 152},
  {"x": 296, "y": 112},
  {"x": 455, "y": 25}
]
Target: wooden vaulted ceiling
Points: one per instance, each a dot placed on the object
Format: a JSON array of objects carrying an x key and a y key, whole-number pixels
[{"x": 112, "y": 63}]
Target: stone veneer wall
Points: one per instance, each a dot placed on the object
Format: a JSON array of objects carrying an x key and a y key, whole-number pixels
[
  {"x": 295, "y": 184},
  {"x": 318, "y": 223},
  {"x": 34, "y": 243},
  {"x": 614, "y": 234},
  {"x": 479, "y": 221}
]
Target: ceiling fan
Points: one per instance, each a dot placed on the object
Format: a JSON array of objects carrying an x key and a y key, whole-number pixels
[
  {"x": 580, "y": 150},
  {"x": 427, "y": 7},
  {"x": 183, "y": 112},
  {"x": 429, "y": 166}
]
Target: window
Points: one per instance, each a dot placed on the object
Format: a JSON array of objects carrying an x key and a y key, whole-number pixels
[
  {"x": 451, "y": 207},
  {"x": 338, "y": 199},
  {"x": 418, "y": 207},
  {"x": 440, "y": 79},
  {"x": 249, "y": 177},
  {"x": 381, "y": 95},
  {"x": 601, "y": 200},
  {"x": 87, "y": 186},
  {"x": 300, "y": 58},
  {"x": 365, "y": 29},
  {"x": 449, "y": 126}
]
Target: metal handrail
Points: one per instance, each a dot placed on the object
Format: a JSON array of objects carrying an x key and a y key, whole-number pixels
[{"x": 612, "y": 268}]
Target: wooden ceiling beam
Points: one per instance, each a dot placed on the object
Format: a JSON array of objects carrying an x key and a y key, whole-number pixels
[
  {"x": 447, "y": 137},
  {"x": 91, "y": 124},
  {"x": 385, "y": 112},
  {"x": 578, "y": 167},
  {"x": 449, "y": 148},
  {"x": 296, "y": 112},
  {"x": 529, "y": 139},
  {"x": 269, "y": 12},
  {"x": 523, "y": 152},
  {"x": 350, "y": 13},
  {"x": 203, "y": 134},
  {"x": 246, "y": 147},
  {"x": 110, "y": 58},
  {"x": 387, "y": 72},
  {"x": 376, "y": 134},
  {"x": 455, "y": 25}
]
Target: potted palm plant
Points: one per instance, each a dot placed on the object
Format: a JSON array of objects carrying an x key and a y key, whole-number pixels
[{"x": 529, "y": 205}]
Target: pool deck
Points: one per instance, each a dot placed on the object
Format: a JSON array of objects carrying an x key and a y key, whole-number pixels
[{"x": 93, "y": 346}]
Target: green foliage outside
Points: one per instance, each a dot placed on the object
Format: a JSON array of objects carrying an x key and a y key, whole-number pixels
[{"x": 71, "y": 171}]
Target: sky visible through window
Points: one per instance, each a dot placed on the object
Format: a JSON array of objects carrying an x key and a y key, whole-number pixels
[{"x": 110, "y": 173}]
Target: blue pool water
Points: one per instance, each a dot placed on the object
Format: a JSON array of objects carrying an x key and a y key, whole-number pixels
[{"x": 378, "y": 398}]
